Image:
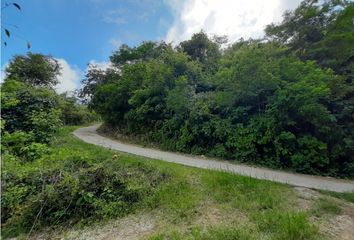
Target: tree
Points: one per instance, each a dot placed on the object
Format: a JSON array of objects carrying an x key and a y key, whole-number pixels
[
  {"x": 146, "y": 50},
  {"x": 34, "y": 69},
  {"x": 96, "y": 77},
  {"x": 320, "y": 31},
  {"x": 248, "y": 75},
  {"x": 73, "y": 112},
  {"x": 275, "y": 103},
  {"x": 30, "y": 102},
  {"x": 30, "y": 109},
  {"x": 202, "y": 49},
  {"x": 336, "y": 49},
  {"x": 306, "y": 25}
]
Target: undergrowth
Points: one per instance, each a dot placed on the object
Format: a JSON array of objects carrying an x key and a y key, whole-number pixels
[{"x": 77, "y": 184}]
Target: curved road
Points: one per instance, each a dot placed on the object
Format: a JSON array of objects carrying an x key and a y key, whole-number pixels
[{"x": 90, "y": 135}]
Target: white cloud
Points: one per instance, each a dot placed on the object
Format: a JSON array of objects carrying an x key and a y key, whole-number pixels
[
  {"x": 100, "y": 65},
  {"x": 3, "y": 73},
  {"x": 117, "y": 16},
  {"x": 70, "y": 77},
  {"x": 234, "y": 18},
  {"x": 115, "y": 42}
]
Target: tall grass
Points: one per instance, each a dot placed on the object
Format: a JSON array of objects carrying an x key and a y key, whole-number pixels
[{"x": 182, "y": 196}]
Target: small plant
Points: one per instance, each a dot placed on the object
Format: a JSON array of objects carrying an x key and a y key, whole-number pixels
[
  {"x": 115, "y": 157},
  {"x": 59, "y": 189},
  {"x": 210, "y": 233},
  {"x": 34, "y": 151},
  {"x": 291, "y": 225},
  {"x": 325, "y": 206}
]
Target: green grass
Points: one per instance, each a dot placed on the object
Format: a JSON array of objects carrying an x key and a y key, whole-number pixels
[
  {"x": 347, "y": 196},
  {"x": 211, "y": 233},
  {"x": 326, "y": 206},
  {"x": 183, "y": 197}
]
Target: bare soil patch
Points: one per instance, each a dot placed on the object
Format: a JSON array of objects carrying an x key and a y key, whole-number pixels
[{"x": 338, "y": 227}]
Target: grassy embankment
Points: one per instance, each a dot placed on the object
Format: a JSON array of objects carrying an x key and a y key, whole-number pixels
[{"x": 78, "y": 184}]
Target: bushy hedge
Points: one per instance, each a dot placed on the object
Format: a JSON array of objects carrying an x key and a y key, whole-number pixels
[
  {"x": 57, "y": 189},
  {"x": 261, "y": 106},
  {"x": 286, "y": 101},
  {"x": 73, "y": 113}
]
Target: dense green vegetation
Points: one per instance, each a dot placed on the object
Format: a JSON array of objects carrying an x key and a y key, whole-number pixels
[
  {"x": 286, "y": 101},
  {"x": 79, "y": 183},
  {"x": 31, "y": 110},
  {"x": 71, "y": 183},
  {"x": 31, "y": 115}
]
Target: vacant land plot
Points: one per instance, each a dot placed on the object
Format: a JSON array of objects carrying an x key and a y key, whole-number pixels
[{"x": 140, "y": 198}]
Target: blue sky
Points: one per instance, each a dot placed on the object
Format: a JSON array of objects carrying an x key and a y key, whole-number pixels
[{"x": 81, "y": 31}]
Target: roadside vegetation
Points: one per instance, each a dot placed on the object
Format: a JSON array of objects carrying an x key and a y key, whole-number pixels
[
  {"x": 78, "y": 187},
  {"x": 31, "y": 115},
  {"x": 283, "y": 102}
]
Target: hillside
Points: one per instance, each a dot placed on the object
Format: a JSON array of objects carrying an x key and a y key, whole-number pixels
[
  {"x": 159, "y": 200},
  {"x": 118, "y": 133}
]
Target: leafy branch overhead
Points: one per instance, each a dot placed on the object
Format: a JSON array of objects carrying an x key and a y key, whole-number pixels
[{"x": 6, "y": 29}]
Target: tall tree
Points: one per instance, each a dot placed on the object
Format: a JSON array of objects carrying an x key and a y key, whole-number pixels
[
  {"x": 34, "y": 69},
  {"x": 95, "y": 77},
  {"x": 306, "y": 25},
  {"x": 146, "y": 50},
  {"x": 336, "y": 49},
  {"x": 203, "y": 49}
]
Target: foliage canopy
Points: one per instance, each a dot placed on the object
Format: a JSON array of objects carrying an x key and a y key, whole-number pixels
[{"x": 285, "y": 103}]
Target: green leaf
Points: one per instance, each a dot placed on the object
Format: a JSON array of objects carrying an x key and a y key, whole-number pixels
[
  {"x": 17, "y": 6},
  {"x": 7, "y": 32}
]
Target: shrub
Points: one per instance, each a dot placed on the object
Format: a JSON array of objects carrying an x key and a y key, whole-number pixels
[
  {"x": 44, "y": 124},
  {"x": 34, "y": 151},
  {"x": 73, "y": 113},
  {"x": 72, "y": 191},
  {"x": 16, "y": 141}
]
